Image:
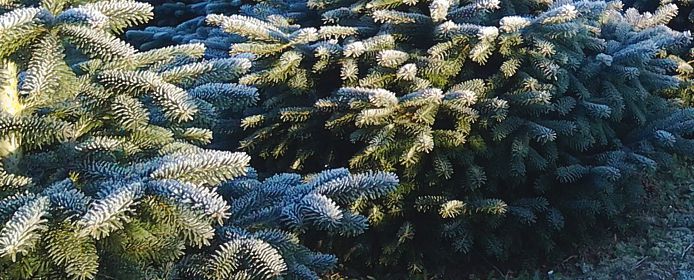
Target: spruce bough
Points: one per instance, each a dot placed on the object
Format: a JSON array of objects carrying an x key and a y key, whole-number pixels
[
  {"x": 521, "y": 125},
  {"x": 103, "y": 170}
]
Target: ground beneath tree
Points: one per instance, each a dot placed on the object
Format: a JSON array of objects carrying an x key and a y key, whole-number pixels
[
  {"x": 660, "y": 245},
  {"x": 663, "y": 247}
]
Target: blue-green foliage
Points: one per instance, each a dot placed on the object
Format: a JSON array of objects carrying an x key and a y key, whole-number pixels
[
  {"x": 243, "y": 227},
  {"x": 184, "y": 22},
  {"x": 518, "y": 127},
  {"x": 681, "y": 20},
  {"x": 275, "y": 211},
  {"x": 103, "y": 173}
]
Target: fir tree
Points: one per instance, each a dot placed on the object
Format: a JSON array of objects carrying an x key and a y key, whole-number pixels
[
  {"x": 520, "y": 124},
  {"x": 102, "y": 175}
]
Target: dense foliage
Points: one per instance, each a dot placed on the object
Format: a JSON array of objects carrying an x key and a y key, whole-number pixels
[
  {"x": 682, "y": 9},
  {"x": 684, "y": 21},
  {"x": 517, "y": 128},
  {"x": 101, "y": 176},
  {"x": 521, "y": 124}
]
